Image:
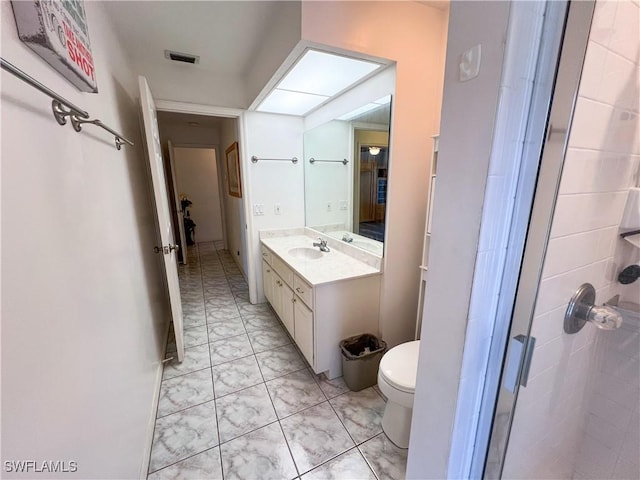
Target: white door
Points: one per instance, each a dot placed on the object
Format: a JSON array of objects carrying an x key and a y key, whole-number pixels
[
  {"x": 179, "y": 209},
  {"x": 167, "y": 248}
]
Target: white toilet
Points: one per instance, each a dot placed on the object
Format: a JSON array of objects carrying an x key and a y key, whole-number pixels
[{"x": 397, "y": 380}]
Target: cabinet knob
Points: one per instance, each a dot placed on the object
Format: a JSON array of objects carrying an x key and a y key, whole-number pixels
[{"x": 294, "y": 300}]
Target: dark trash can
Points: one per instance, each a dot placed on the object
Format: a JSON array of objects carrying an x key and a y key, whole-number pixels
[{"x": 361, "y": 357}]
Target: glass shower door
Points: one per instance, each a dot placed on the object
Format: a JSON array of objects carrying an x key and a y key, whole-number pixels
[{"x": 568, "y": 403}]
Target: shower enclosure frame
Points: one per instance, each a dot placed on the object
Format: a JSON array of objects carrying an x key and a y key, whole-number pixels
[{"x": 519, "y": 349}]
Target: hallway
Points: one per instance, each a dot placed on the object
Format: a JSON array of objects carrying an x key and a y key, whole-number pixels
[{"x": 244, "y": 404}]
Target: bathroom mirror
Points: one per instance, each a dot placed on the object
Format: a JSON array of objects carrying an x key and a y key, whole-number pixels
[{"x": 345, "y": 171}]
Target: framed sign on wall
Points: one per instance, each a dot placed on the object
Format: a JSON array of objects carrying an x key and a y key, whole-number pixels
[{"x": 57, "y": 31}]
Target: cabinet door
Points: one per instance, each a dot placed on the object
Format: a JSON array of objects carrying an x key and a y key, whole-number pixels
[
  {"x": 267, "y": 282},
  {"x": 285, "y": 304},
  {"x": 304, "y": 329}
]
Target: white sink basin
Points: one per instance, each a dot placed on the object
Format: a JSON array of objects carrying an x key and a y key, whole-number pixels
[{"x": 305, "y": 253}]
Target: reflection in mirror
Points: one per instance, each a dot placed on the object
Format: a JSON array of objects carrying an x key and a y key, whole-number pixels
[{"x": 346, "y": 170}]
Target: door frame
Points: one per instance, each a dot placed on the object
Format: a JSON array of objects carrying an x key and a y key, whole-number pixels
[
  {"x": 237, "y": 114},
  {"x": 216, "y": 148},
  {"x": 176, "y": 199},
  {"x": 573, "y": 52}
]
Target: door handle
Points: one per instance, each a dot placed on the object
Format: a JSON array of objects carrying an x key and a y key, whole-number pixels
[
  {"x": 167, "y": 249},
  {"x": 519, "y": 362}
]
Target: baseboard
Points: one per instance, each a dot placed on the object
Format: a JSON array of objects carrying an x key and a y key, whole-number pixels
[{"x": 144, "y": 467}]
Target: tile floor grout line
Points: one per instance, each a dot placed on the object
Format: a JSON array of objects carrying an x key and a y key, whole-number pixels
[
  {"x": 375, "y": 474},
  {"x": 186, "y": 408},
  {"x": 215, "y": 406},
  {"x": 213, "y": 383}
]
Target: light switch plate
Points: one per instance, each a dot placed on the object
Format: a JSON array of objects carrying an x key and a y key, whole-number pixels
[
  {"x": 343, "y": 204},
  {"x": 276, "y": 209},
  {"x": 328, "y": 206},
  {"x": 470, "y": 63}
]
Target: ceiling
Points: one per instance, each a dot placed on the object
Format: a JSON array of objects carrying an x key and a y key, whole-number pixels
[{"x": 225, "y": 34}]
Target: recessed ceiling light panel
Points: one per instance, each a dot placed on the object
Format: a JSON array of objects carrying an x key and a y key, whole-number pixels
[
  {"x": 315, "y": 78},
  {"x": 322, "y": 73},
  {"x": 290, "y": 103}
]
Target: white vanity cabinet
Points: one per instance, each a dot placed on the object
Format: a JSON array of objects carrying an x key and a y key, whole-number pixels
[
  {"x": 318, "y": 316},
  {"x": 279, "y": 294}
]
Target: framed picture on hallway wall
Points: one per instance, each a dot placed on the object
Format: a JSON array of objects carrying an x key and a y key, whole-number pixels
[{"x": 233, "y": 170}]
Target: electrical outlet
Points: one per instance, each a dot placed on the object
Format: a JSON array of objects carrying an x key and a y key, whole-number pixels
[
  {"x": 328, "y": 206},
  {"x": 258, "y": 209},
  {"x": 343, "y": 204},
  {"x": 276, "y": 209}
]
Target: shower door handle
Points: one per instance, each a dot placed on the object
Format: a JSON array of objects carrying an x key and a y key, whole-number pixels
[{"x": 519, "y": 362}]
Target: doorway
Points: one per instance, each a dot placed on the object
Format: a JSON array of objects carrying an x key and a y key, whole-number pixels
[
  {"x": 203, "y": 210},
  {"x": 370, "y": 183}
]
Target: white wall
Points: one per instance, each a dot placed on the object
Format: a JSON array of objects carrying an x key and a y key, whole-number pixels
[
  {"x": 413, "y": 35},
  {"x": 233, "y": 206},
  {"x": 277, "y": 43},
  {"x": 325, "y": 182},
  {"x": 272, "y": 182},
  {"x": 197, "y": 178},
  {"x": 580, "y": 408},
  {"x": 181, "y": 134},
  {"x": 84, "y": 311},
  {"x": 465, "y": 146}
]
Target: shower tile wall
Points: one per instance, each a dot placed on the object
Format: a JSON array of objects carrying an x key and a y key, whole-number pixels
[{"x": 578, "y": 416}]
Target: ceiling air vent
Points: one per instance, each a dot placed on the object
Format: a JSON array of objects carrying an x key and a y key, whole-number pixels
[{"x": 181, "y": 57}]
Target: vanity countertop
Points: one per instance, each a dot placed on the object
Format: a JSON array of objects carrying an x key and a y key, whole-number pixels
[{"x": 331, "y": 267}]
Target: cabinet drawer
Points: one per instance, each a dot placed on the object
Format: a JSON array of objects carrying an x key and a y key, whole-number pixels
[
  {"x": 266, "y": 255},
  {"x": 303, "y": 290},
  {"x": 282, "y": 269}
]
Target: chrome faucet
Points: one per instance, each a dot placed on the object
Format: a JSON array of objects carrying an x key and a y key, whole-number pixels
[
  {"x": 322, "y": 245},
  {"x": 347, "y": 238}
]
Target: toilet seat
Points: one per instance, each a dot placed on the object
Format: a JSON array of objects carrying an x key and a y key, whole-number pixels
[{"x": 399, "y": 367}]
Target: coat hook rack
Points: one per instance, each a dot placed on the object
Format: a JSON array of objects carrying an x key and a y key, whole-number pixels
[
  {"x": 293, "y": 160},
  {"x": 344, "y": 161},
  {"x": 63, "y": 108}
]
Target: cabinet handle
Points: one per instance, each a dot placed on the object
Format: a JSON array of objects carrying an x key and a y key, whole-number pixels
[
  {"x": 268, "y": 271},
  {"x": 265, "y": 254},
  {"x": 299, "y": 291}
]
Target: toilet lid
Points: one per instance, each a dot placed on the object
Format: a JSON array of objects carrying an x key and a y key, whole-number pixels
[{"x": 399, "y": 366}]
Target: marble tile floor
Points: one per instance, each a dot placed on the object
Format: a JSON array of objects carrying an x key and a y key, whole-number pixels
[{"x": 244, "y": 404}]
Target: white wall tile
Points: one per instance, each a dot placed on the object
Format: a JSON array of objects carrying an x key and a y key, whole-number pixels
[
  {"x": 590, "y": 124},
  {"x": 592, "y": 71},
  {"x": 575, "y": 251},
  {"x": 583, "y": 212},
  {"x": 609, "y": 410},
  {"x": 624, "y": 469},
  {"x": 596, "y": 460},
  {"x": 556, "y": 291},
  {"x": 619, "y": 83},
  {"x": 593, "y": 171},
  {"x": 602, "y": 25},
  {"x": 604, "y": 432},
  {"x": 626, "y": 31},
  {"x": 626, "y": 394}
]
